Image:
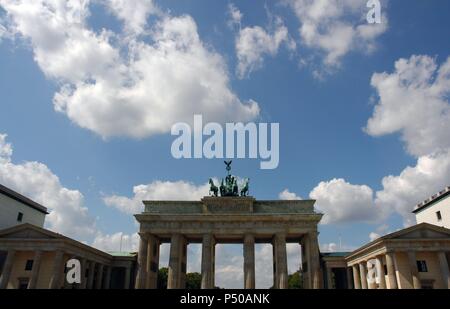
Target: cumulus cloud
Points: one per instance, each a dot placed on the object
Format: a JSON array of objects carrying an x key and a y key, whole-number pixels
[
  {"x": 131, "y": 88},
  {"x": 413, "y": 101},
  {"x": 235, "y": 15},
  {"x": 254, "y": 43},
  {"x": 287, "y": 195},
  {"x": 118, "y": 242},
  {"x": 68, "y": 215},
  {"x": 342, "y": 202},
  {"x": 414, "y": 184},
  {"x": 157, "y": 190},
  {"x": 134, "y": 13},
  {"x": 336, "y": 27},
  {"x": 373, "y": 236},
  {"x": 379, "y": 232},
  {"x": 334, "y": 247}
]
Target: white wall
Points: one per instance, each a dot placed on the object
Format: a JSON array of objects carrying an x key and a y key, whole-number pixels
[
  {"x": 10, "y": 208},
  {"x": 428, "y": 215}
]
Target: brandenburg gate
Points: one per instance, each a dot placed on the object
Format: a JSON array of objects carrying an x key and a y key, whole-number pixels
[{"x": 231, "y": 218}]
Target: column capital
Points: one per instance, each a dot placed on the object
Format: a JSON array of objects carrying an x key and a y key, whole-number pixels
[
  {"x": 249, "y": 238},
  {"x": 143, "y": 235}
]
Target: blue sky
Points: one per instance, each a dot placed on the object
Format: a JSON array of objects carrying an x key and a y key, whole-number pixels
[{"x": 322, "y": 102}]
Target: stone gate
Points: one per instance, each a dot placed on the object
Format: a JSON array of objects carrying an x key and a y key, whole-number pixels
[{"x": 230, "y": 220}]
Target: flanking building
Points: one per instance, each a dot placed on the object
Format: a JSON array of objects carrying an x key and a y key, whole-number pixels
[
  {"x": 417, "y": 257},
  {"x": 32, "y": 257},
  {"x": 17, "y": 209},
  {"x": 413, "y": 258},
  {"x": 435, "y": 210}
]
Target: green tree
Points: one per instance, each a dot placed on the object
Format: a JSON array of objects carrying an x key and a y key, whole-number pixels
[
  {"x": 193, "y": 281},
  {"x": 295, "y": 281},
  {"x": 162, "y": 278}
]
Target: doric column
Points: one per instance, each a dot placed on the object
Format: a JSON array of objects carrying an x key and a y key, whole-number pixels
[
  {"x": 444, "y": 269},
  {"x": 57, "y": 271},
  {"x": 127, "y": 278},
  {"x": 183, "y": 264},
  {"x": 152, "y": 262},
  {"x": 7, "y": 268},
  {"x": 349, "y": 278},
  {"x": 380, "y": 272},
  {"x": 315, "y": 260},
  {"x": 142, "y": 262},
  {"x": 177, "y": 263},
  {"x": 356, "y": 277},
  {"x": 306, "y": 260},
  {"x": 107, "y": 281},
  {"x": 414, "y": 271},
  {"x": 391, "y": 271},
  {"x": 84, "y": 265},
  {"x": 274, "y": 259},
  {"x": 90, "y": 280},
  {"x": 281, "y": 261},
  {"x": 35, "y": 272},
  {"x": 363, "y": 274},
  {"x": 249, "y": 262},
  {"x": 371, "y": 276},
  {"x": 208, "y": 245},
  {"x": 330, "y": 285},
  {"x": 99, "y": 279}
]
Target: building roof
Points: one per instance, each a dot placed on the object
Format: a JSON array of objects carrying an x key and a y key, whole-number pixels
[
  {"x": 432, "y": 200},
  {"x": 41, "y": 233},
  {"x": 22, "y": 199},
  {"x": 335, "y": 254},
  {"x": 122, "y": 254},
  {"x": 399, "y": 234}
]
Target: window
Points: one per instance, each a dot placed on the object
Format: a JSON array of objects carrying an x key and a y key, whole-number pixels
[
  {"x": 439, "y": 216},
  {"x": 23, "y": 283},
  {"x": 427, "y": 284},
  {"x": 19, "y": 217},
  {"x": 29, "y": 265},
  {"x": 422, "y": 266}
]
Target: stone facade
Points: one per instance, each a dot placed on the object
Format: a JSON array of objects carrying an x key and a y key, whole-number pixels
[
  {"x": 413, "y": 258},
  {"x": 47, "y": 253},
  {"x": 216, "y": 220}
]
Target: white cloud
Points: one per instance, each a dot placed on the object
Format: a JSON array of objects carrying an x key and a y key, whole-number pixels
[
  {"x": 413, "y": 101},
  {"x": 229, "y": 266},
  {"x": 157, "y": 190},
  {"x": 235, "y": 15},
  {"x": 287, "y": 195},
  {"x": 68, "y": 215},
  {"x": 135, "y": 90},
  {"x": 118, "y": 242},
  {"x": 254, "y": 43},
  {"x": 373, "y": 236},
  {"x": 5, "y": 150},
  {"x": 414, "y": 184},
  {"x": 336, "y": 27},
  {"x": 379, "y": 232},
  {"x": 342, "y": 202},
  {"x": 133, "y": 13},
  {"x": 329, "y": 247},
  {"x": 334, "y": 247}
]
